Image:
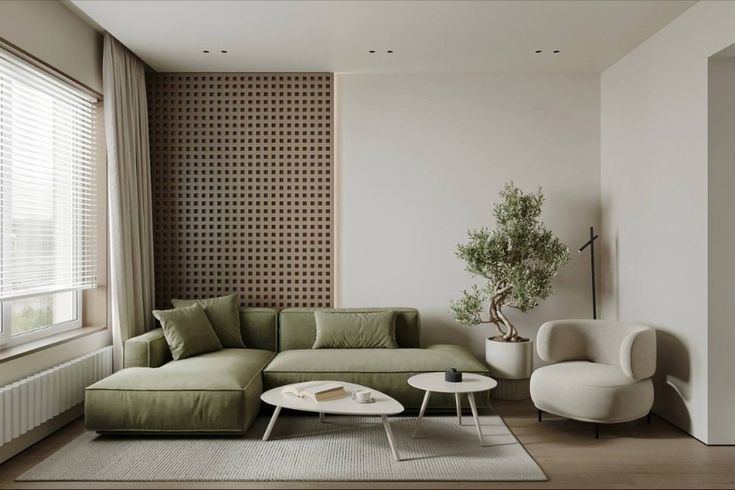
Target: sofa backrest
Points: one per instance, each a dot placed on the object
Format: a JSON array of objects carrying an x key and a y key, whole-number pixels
[
  {"x": 297, "y": 326},
  {"x": 259, "y": 328}
]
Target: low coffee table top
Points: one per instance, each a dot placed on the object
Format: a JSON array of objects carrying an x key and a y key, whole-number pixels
[
  {"x": 383, "y": 404},
  {"x": 434, "y": 382}
]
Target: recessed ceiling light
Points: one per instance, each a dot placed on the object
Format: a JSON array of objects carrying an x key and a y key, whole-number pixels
[
  {"x": 206, "y": 51},
  {"x": 556, "y": 51},
  {"x": 390, "y": 51},
  {"x": 224, "y": 51},
  {"x": 371, "y": 51},
  {"x": 538, "y": 51}
]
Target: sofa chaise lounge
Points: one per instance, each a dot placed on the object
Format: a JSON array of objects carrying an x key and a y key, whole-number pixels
[{"x": 219, "y": 392}]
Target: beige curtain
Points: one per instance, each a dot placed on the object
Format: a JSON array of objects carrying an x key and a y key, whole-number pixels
[{"x": 129, "y": 194}]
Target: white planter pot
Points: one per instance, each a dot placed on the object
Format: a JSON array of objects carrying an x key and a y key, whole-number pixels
[{"x": 509, "y": 360}]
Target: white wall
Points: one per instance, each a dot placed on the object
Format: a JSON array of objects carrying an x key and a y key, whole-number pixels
[
  {"x": 721, "y": 249},
  {"x": 421, "y": 159},
  {"x": 50, "y": 31},
  {"x": 654, "y": 182}
]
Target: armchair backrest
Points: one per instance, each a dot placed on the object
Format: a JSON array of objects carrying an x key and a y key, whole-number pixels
[{"x": 630, "y": 346}]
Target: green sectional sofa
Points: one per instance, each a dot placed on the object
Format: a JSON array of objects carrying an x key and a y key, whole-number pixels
[{"x": 219, "y": 392}]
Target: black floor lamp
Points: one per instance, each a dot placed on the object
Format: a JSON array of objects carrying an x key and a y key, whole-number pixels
[{"x": 591, "y": 244}]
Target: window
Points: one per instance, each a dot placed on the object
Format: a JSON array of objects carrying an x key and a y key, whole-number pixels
[{"x": 47, "y": 202}]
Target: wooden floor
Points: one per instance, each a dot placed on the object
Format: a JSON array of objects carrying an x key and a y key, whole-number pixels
[{"x": 634, "y": 455}]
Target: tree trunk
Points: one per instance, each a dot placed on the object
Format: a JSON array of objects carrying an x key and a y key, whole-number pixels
[{"x": 510, "y": 334}]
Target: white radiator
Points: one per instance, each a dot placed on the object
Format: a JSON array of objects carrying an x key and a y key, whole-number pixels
[{"x": 31, "y": 401}]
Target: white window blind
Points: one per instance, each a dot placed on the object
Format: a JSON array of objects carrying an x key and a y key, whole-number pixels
[{"x": 47, "y": 183}]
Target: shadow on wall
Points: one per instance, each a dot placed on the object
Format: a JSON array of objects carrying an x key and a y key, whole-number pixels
[
  {"x": 438, "y": 329},
  {"x": 671, "y": 381},
  {"x": 608, "y": 281},
  {"x": 673, "y": 365}
]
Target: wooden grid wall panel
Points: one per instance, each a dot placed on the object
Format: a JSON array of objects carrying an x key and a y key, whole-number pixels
[{"x": 242, "y": 179}]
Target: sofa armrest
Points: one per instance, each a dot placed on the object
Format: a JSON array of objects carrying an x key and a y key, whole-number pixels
[
  {"x": 638, "y": 353},
  {"x": 147, "y": 350}
]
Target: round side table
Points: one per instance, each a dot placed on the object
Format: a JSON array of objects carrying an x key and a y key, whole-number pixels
[{"x": 470, "y": 384}]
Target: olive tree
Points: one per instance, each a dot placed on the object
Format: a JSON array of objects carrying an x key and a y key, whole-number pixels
[{"x": 517, "y": 261}]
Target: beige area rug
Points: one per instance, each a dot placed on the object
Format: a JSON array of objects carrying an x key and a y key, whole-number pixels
[{"x": 344, "y": 448}]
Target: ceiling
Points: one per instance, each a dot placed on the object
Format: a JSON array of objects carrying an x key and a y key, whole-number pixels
[{"x": 426, "y": 36}]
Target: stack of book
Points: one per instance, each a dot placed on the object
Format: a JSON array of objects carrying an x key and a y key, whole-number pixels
[{"x": 316, "y": 390}]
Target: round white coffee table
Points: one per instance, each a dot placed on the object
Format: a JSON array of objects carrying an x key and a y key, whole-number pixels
[
  {"x": 470, "y": 384},
  {"x": 383, "y": 405}
]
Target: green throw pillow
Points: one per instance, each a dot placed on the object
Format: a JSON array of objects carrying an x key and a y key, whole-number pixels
[
  {"x": 223, "y": 314},
  {"x": 351, "y": 330},
  {"x": 187, "y": 331}
]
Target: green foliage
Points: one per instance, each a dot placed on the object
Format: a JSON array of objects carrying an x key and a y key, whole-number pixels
[
  {"x": 30, "y": 318},
  {"x": 467, "y": 309},
  {"x": 518, "y": 259}
]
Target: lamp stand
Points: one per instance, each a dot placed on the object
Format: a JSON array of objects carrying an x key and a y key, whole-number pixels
[{"x": 591, "y": 244}]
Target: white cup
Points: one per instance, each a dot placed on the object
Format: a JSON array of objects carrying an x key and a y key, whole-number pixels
[{"x": 362, "y": 396}]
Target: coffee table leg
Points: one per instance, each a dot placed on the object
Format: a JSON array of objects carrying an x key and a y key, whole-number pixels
[
  {"x": 474, "y": 414},
  {"x": 271, "y": 423},
  {"x": 458, "y": 400},
  {"x": 421, "y": 413},
  {"x": 389, "y": 433},
  {"x": 321, "y": 417}
]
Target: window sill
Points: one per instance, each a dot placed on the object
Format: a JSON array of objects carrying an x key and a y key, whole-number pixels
[{"x": 17, "y": 351}]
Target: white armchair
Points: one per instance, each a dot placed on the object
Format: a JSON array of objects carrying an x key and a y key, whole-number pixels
[{"x": 600, "y": 371}]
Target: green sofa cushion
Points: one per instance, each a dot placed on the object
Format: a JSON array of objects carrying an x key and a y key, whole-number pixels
[
  {"x": 353, "y": 330},
  {"x": 223, "y": 314},
  {"x": 188, "y": 331},
  {"x": 218, "y": 392},
  {"x": 385, "y": 370},
  {"x": 433, "y": 358},
  {"x": 297, "y": 326}
]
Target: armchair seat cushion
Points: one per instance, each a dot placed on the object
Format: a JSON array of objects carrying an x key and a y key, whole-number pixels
[
  {"x": 217, "y": 392},
  {"x": 591, "y": 392}
]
